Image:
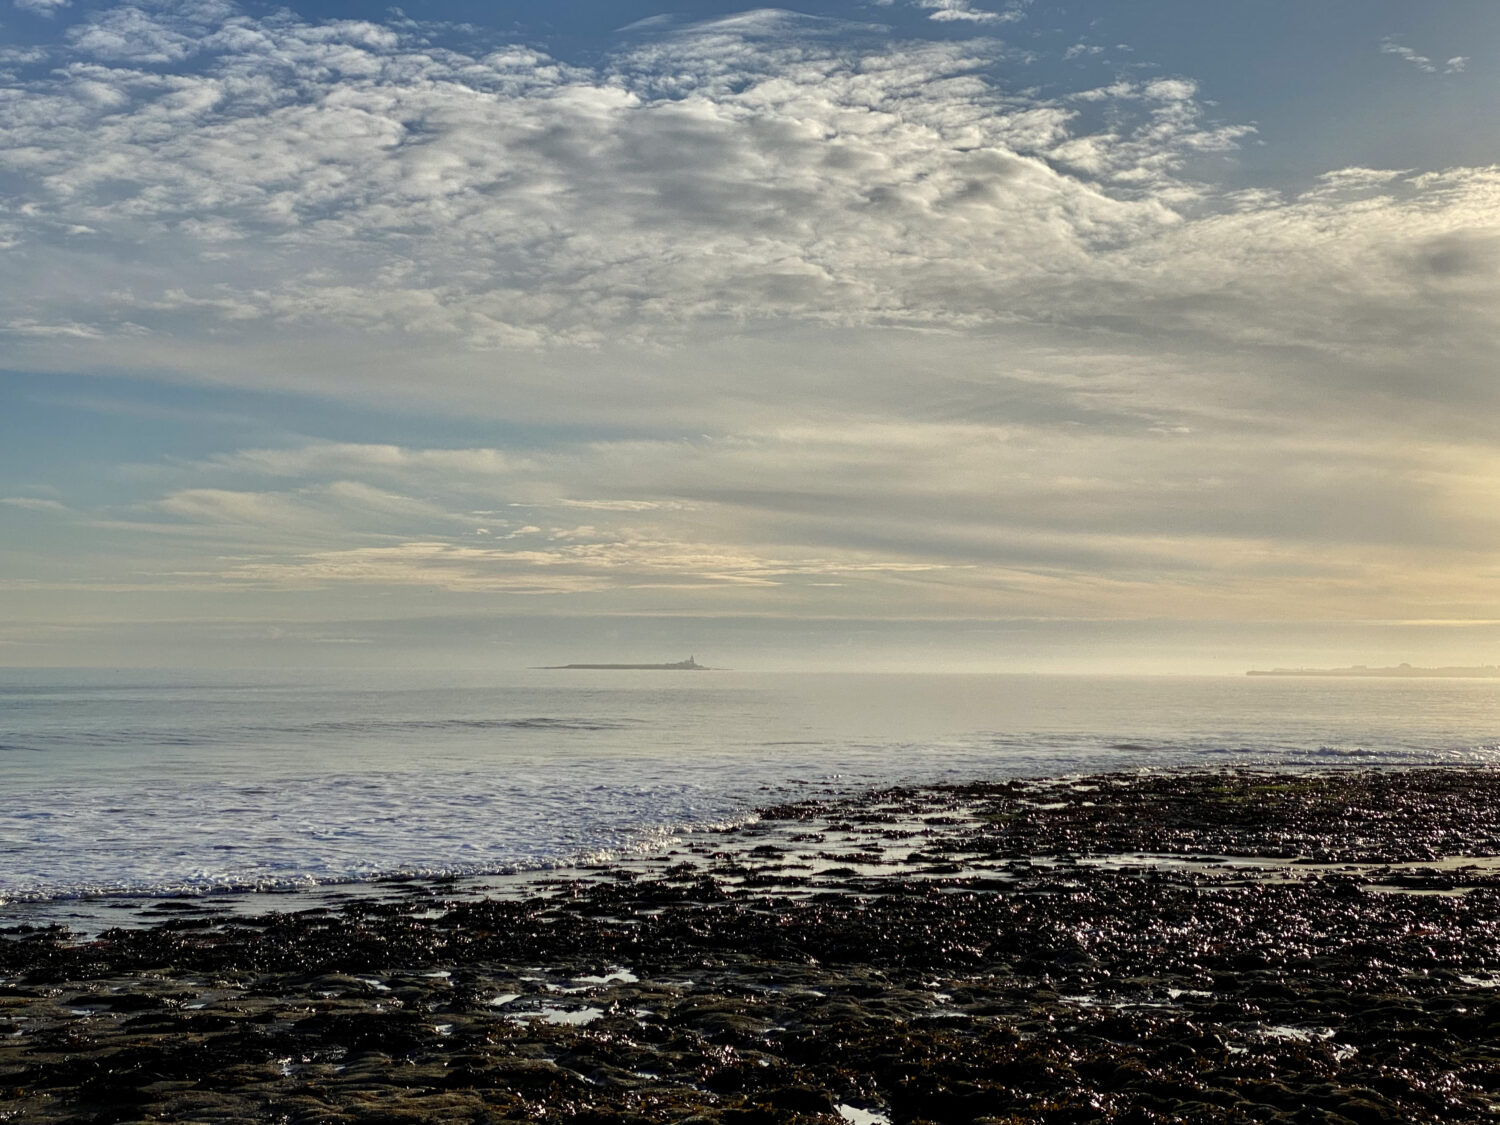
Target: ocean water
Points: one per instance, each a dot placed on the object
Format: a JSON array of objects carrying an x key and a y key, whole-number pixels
[{"x": 128, "y": 785}]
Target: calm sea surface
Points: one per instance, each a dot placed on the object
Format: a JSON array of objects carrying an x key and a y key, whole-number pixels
[{"x": 129, "y": 783}]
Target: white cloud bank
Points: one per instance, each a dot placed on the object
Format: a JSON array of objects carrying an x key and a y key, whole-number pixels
[
  {"x": 337, "y": 175},
  {"x": 343, "y": 185}
]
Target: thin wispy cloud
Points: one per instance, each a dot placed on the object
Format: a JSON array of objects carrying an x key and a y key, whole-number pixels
[
  {"x": 947, "y": 11},
  {"x": 1426, "y": 65}
]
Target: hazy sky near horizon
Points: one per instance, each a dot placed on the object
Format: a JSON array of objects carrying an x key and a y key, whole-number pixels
[{"x": 334, "y": 327}]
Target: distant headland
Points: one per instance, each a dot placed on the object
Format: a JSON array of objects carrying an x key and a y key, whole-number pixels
[
  {"x": 688, "y": 665},
  {"x": 1400, "y": 671}
]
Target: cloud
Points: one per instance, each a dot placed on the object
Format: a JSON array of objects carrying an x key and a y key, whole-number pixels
[
  {"x": 32, "y": 504},
  {"x": 947, "y": 11},
  {"x": 623, "y": 505},
  {"x": 506, "y": 201},
  {"x": 132, "y": 34},
  {"x": 565, "y": 563},
  {"x": 323, "y": 458},
  {"x": 41, "y": 7},
  {"x": 1392, "y": 46},
  {"x": 856, "y": 324},
  {"x": 24, "y": 326},
  {"x": 934, "y": 519}
]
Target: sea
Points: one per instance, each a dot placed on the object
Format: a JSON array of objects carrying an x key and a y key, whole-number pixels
[{"x": 121, "y": 787}]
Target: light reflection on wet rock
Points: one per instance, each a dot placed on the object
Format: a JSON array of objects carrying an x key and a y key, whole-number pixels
[{"x": 1224, "y": 947}]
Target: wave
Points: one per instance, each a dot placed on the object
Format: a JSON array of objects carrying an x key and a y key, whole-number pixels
[
  {"x": 215, "y": 885},
  {"x": 356, "y": 728},
  {"x": 289, "y": 792},
  {"x": 365, "y": 726}
]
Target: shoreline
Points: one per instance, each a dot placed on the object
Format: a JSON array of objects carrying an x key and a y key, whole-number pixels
[
  {"x": 1226, "y": 946},
  {"x": 88, "y": 913}
]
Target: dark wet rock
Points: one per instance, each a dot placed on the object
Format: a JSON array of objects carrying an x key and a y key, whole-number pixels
[{"x": 1028, "y": 956}]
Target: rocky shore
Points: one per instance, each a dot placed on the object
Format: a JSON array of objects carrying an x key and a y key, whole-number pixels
[{"x": 1209, "y": 947}]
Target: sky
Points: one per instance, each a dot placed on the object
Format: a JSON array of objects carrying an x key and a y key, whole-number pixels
[{"x": 969, "y": 334}]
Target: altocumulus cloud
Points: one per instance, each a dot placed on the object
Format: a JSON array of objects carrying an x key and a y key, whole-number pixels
[
  {"x": 910, "y": 324},
  {"x": 183, "y": 169},
  {"x": 346, "y": 175}
]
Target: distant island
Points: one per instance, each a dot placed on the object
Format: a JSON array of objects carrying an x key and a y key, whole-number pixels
[
  {"x": 1400, "y": 671},
  {"x": 688, "y": 665}
]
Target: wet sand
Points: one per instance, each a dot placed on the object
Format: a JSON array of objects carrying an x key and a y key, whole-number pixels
[{"x": 1206, "y": 947}]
